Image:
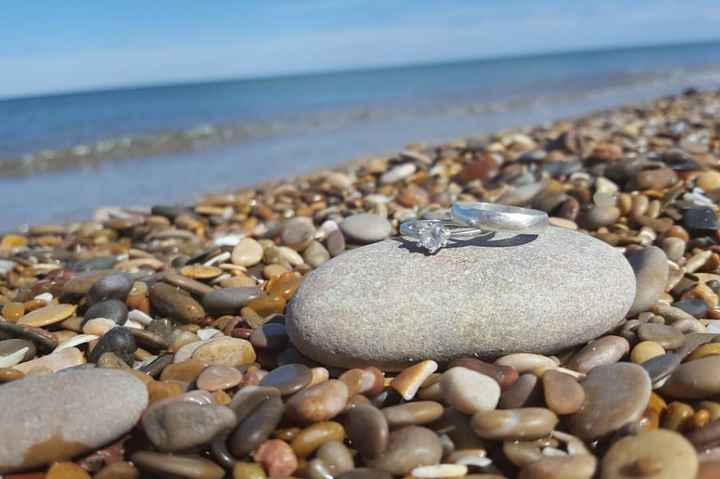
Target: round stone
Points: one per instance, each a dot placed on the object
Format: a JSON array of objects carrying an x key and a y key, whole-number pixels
[
  {"x": 366, "y": 228},
  {"x": 514, "y": 424},
  {"x": 119, "y": 341},
  {"x": 367, "y": 430},
  {"x": 176, "y": 465},
  {"x": 288, "y": 379},
  {"x": 666, "y": 336},
  {"x": 413, "y": 413},
  {"x": 563, "y": 394},
  {"x": 112, "y": 309},
  {"x": 112, "y": 286},
  {"x": 247, "y": 252},
  {"x": 660, "y": 454},
  {"x": 257, "y": 420},
  {"x": 469, "y": 391},
  {"x": 182, "y": 425},
  {"x": 651, "y": 271},
  {"x": 698, "y": 379},
  {"x": 408, "y": 448},
  {"x": 216, "y": 378},
  {"x": 298, "y": 232},
  {"x": 336, "y": 456},
  {"x": 51, "y": 314},
  {"x": 615, "y": 395},
  {"x": 398, "y": 173},
  {"x": 606, "y": 350},
  {"x": 229, "y": 300},
  {"x": 225, "y": 351},
  {"x": 312, "y": 437},
  {"x": 76, "y": 412},
  {"x": 387, "y": 304},
  {"x": 175, "y": 303},
  {"x": 318, "y": 403}
]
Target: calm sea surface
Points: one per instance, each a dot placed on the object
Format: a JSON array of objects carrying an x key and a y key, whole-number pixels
[{"x": 64, "y": 155}]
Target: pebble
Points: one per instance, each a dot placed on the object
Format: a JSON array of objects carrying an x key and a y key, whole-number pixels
[
  {"x": 577, "y": 466},
  {"x": 438, "y": 471},
  {"x": 408, "y": 448},
  {"x": 288, "y": 379},
  {"x": 181, "y": 425},
  {"x": 646, "y": 350},
  {"x": 398, "y": 173},
  {"x": 175, "y": 304},
  {"x": 364, "y": 473},
  {"x": 113, "y": 286},
  {"x": 256, "y": 420},
  {"x": 118, "y": 341},
  {"x": 366, "y": 228},
  {"x": 229, "y": 300},
  {"x": 225, "y": 351},
  {"x": 697, "y": 379},
  {"x": 603, "y": 351},
  {"x": 312, "y": 437},
  {"x": 86, "y": 410},
  {"x": 405, "y": 296},
  {"x": 118, "y": 470},
  {"x": 112, "y": 309},
  {"x": 318, "y": 403},
  {"x": 64, "y": 359},
  {"x": 269, "y": 336},
  {"x": 660, "y": 454},
  {"x": 563, "y": 394},
  {"x": 701, "y": 219},
  {"x": 336, "y": 456},
  {"x": 66, "y": 470},
  {"x": 674, "y": 248},
  {"x": 514, "y": 424},
  {"x": 503, "y": 375},
  {"x": 413, "y": 414},
  {"x": 666, "y": 336},
  {"x": 469, "y": 391},
  {"x": 12, "y": 346},
  {"x": 51, "y": 314},
  {"x": 247, "y": 252},
  {"x": 651, "y": 273},
  {"x": 408, "y": 382},
  {"x": 616, "y": 395},
  {"x": 522, "y": 392},
  {"x": 185, "y": 371},
  {"x": 298, "y": 233},
  {"x": 216, "y": 378},
  {"x": 176, "y": 465},
  {"x": 277, "y": 458},
  {"x": 316, "y": 254},
  {"x": 368, "y": 430},
  {"x": 186, "y": 283}
]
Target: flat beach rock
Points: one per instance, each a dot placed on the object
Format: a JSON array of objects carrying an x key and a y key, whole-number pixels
[
  {"x": 389, "y": 304},
  {"x": 58, "y": 417}
]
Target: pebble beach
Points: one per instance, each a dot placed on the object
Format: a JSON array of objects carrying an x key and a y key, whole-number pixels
[{"x": 285, "y": 331}]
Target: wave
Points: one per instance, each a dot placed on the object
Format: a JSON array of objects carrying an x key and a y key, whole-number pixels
[{"x": 206, "y": 136}]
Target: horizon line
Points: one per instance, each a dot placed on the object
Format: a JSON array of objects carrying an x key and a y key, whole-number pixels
[{"x": 357, "y": 69}]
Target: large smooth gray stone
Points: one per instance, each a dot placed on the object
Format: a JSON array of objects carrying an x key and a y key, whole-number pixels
[
  {"x": 389, "y": 304},
  {"x": 57, "y": 417}
]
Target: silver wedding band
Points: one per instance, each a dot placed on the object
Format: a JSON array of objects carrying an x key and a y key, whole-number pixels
[
  {"x": 494, "y": 217},
  {"x": 470, "y": 220}
]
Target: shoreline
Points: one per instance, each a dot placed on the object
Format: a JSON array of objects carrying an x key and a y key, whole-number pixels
[{"x": 166, "y": 329}]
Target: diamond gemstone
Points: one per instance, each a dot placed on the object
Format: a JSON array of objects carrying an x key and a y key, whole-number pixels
[{"x": 433, "y": 237}]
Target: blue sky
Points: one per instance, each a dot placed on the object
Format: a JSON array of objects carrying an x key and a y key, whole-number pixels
[{"x": 60, "y": 46}]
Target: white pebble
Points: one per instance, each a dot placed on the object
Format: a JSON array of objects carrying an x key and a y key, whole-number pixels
[
  {"x": 12, "y": 359},
  {"x": 47, "y": 297},
  {"x": 440, "y": 471},
  {"x": 228, "y": 240},
  {"x": 139, "y": 316},
  {"x": 221, "y": 258},
  {"x": 76, "y": 341},
  {"x": 207, "y": 333}
]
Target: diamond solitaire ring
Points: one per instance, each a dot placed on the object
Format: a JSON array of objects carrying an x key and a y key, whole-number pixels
[
  {"x": 470, "y": 220},
  {"x": 435, "y": 234},
  {"x": 494, "y": 217}
]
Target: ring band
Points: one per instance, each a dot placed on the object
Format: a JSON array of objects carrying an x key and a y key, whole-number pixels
[{"x": 495, "y": 217}]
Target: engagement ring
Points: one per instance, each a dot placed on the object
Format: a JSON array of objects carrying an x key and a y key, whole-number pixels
[{"x": 471, "y": 220}]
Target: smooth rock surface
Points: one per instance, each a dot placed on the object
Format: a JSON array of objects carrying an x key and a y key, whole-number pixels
[
  {"x": 57, "y": 417},
  {"x": 388, "y": 304},
  {"x": 651, "y": 269}
]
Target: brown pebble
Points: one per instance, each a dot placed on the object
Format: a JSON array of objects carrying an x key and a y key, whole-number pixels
[
  {"x": 577, "y": 466},
  {"x": 277, "y": 458},
  {"x": 185, "y": 371},
  {"x": 226, "y": 351},
  {"x": 314, "y": 436},
  {"x": 118, "y": 470},
  {"x": 514, "y": 424},
  {"x": 367, "y": 430},
  {"x": 185, "y": 466},
  {"x": 318, "y": 403},
  {"x": 66, "y": 470},
  {"x": 410, "y": 379},
  {"x": 563, "y": 394},
  {"x": 10, "y": 374},
  {"x": 413, "y": 413},
  {"x": 214, "y": 378}
]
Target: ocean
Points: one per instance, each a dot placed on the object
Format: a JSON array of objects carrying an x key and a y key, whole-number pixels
[{"x": 62, "y": 156}]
